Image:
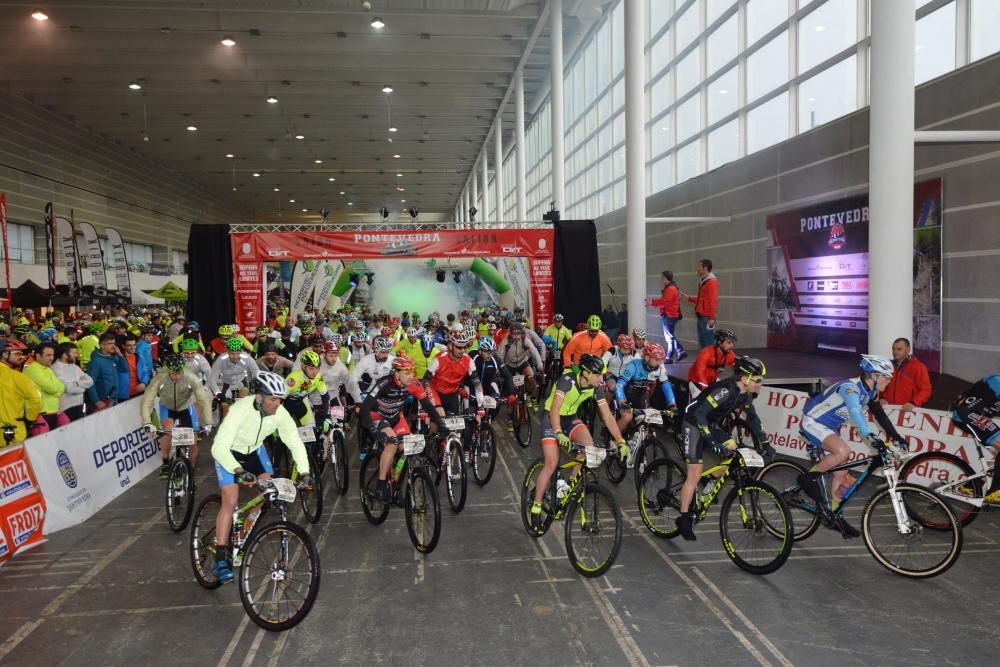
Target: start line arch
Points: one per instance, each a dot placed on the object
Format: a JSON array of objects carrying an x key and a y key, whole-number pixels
[{"x": 517, "y": 255}]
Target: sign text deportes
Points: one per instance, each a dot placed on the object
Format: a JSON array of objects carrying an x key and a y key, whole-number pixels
[{"x": 127, "y": 452}]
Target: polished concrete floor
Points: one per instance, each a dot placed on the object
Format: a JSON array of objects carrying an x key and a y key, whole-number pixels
[{"x": 118, "y": 590}]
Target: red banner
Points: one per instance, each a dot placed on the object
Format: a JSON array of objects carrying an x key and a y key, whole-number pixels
[{"x": 22, "y": 507}]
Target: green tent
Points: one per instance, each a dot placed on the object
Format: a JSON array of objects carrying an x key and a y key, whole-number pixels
[{"x": 169, "y": 292}]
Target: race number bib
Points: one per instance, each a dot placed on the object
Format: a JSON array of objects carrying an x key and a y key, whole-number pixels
[
  {"x": 285, "y": 488},
  {"x": 181, "y": 436},
  {"x": 413, "y": 444},
  {"x": 307, "y": 433}
]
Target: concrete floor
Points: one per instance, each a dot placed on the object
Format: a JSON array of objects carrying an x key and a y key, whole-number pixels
[{"x": 118, "y": 590}]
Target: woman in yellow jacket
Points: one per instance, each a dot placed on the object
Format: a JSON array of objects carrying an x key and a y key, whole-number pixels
[{"x": 20, "y": 399}]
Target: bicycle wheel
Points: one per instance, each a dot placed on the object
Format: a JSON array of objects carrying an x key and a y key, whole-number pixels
[
  {"x": 484, "y": 454},
  {"x": 593, "y": 531},
  {"x": 615, "y": 469},
  {"x": 321, "y": 454},
  {"x": 933, "y": 470},
  {"x": 528, "y": 499},
  {"x": 423, "y": 512},
  {"x": 339, "y": 462},
  {"x": 660, "y": 497},
  {"x": 522, "y": 424},
  {"x": 375, "y": 510},
  {"x": 180, "y": 494},
  {"x": 905, "y": 545},
  {"x": 456, "y": 478},
  {"x": 312, "y": 501},
  {"x": 649, "y": 450},
  {"x": 756, "y": 527},
  {"x": 279, "y": 578},
  {"x": 783, "y": 475},
  {"x": 203, "y": 541}
]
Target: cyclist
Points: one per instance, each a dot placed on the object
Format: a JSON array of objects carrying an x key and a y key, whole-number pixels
[
  {"x": 591, "y": 341},
  {"x": 357, "y": 344},
  {"x": 494, "y": 377},
  {"x": 239, "y": 456},
  {"x": 307, "y": 382},
  {"x": 20, "y": 402},
  {"x": 334, "y": 372},
  {"x": 271, "y": 361},
  {"x": 636, "y": 382},
  {"x": 701, "y": 427},
  {"x": 315, "y": 341},
  {"x": 231, "y": 373},
  {"x": 617, "y": 358},
  {"x": 227, "y": 331},
  {"x": 710, "y": 362},
  {"x": 447, "y": 374},
  {"x": 827, "y": 411},
  {"x": 974, "y": 410},
  {"x": 179, "y": 392},
  {"x": 638, "y": 340},
  {"x": 517, "y": 353},
  {"x": 429, "y": 348},
  {"x": 195, "y": 363},
  {"x": 409, "y": 345},
  {"x": 371, "y": 368},
  {"x": 561, "y": 426},
  {"x": 559, "y": 332}
]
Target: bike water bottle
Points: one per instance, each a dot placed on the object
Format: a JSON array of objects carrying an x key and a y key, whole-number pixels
[
  {"x": 561, "y": 488},
  {"x": 238, "y": 526},
  {"x": 398, "y": 470}
]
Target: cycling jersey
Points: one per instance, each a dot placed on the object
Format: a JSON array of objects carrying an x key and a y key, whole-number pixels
[
  {"x": 710, "y": 362},
  {"x": 335, "y": 375},
  {"x": 494, "y": 377},
  {"x": 515, "y": 354},
  {"x": 640, "y": 377},
  {"x": 614, "y": 361},
  {"x": 827, "y": 411},
  {"x": 703, "y": 415},
  {"x": 199, "y": 367},
  {"x": 448, "y": 373},
  {"x": 583, "y": 343},
  {"x": 568, "y": 385},
  {"x": 976, "y": 407},
  {"x": 225, "y": 372},
  {"x": 244, "y": 429},
  {"x": 371, "y": 368},
  {"x": 298, "y": 383},
  {"x": 176, "y": 396},
  {"x": 387, "y": 398},
  {"x": 560, "y": 334}
]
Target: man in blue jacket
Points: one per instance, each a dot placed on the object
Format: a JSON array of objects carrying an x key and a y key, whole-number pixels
[{"x": 106, "y": 367}]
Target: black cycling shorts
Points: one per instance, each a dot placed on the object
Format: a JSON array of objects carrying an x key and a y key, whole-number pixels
[{"x": 694, "y": 441}]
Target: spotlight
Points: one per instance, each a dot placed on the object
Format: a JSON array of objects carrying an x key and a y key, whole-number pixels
[
  {"x": 441, "y": 274},
  {"x": 472, "y": 213},
  {"x": 456, "y": 276},
  {"x": 355, "y": 279},
  {"x": 552, "y": 215},
  {"x": 369, "y": 277},
  {"x": 39, "y": 15},
  {"x": 228, "y": 41},
  {"x": 386, "y": 89},
  {"x": 414, "y": 213},
  {"x": 378, "y": 23},
  {"x": 192, "y": 128},
  {"x": 135, "y": 85},
  {"x": 272, "y": 100}
]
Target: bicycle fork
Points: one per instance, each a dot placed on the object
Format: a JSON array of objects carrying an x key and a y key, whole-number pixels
[{"x": 902, "y": 518}]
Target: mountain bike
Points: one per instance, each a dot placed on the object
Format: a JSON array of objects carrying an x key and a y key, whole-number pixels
[
  {"x": 310, "y": 499},
  {"x": 644, "y": 447},
  {"x": 279, "y": 570},
  {"x": 411, "y": 487},
  {"x": 519, "y": 415},
  {"x": 907, "y": 529},
  {"x": 180, "y": 480},
  {"x": 483, "y": 450},
  {"x": 593, "y": 534},
  {"x": 446, "y": 458},
  {"x": 754, "y": 521},
  {"x": 333, "y": 449}
]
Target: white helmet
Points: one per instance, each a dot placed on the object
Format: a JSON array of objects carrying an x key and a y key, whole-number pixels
[
  {"x": 876, "y": 363},
  {"x": 271, "y": 384},
  {"x": 382, "y": 344}
]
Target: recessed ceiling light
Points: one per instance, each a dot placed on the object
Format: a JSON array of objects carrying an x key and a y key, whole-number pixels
[
  {"x": 378, "y": 23},
  {"x": 342, "y": 192},
  {"x": 331, "y": 179},
  {"x": 230, "y": 156},
  {"x": 228, "y": 41},
  {"x": 387, "y": 89},
  {"x": 396, "y": 156},
  {"x": 39, "y": 15},
  {"x": 399, "y": 175},
  {"x": 393, "y": 129},
  {"x": 277, "y": 189},
  {"x": 272, "y": 100},
  {"x": 350, "y": 203},
  {"x": 318, "y": 161},
  {"x": 256, "y": 174},
  {"x": 304, "y": 210},
  {"x": 135, "y": 85},
  {"x": 402, "y": 201},
  {"x": 300, "y": 136},
  {"x": 192, "y": 128}
]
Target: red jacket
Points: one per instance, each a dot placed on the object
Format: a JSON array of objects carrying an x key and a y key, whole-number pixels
[
  {"x": 911, "y": 383},
  {"x": 705, "y": 369},
  {"x": 669, "y": 302},
  {"x": 706, "y": 303}
]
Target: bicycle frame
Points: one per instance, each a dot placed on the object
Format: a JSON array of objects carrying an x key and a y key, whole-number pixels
[
  {"x": 575, "y": 486},
  {"x": 985, "y": 473}
]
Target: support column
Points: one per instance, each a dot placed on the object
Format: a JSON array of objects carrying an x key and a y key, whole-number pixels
[
  {"x": 635, "y": 163},
  {"x": 556, "y": 100},
  {"x": 486, "y": 179},
  {"x": 498, "y": 168},
  {"x": 474, "y": 180},
  {"x": 522, "y": 188},
  {"x": 890, "y": 175},
  {"x": 465, "y": 204}
]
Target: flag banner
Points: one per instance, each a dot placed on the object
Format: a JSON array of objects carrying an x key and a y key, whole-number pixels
[
  {"x": 66, "y": 240},
  {"x": 119, "y": 261},
  {"x": 95, "y": 259}
]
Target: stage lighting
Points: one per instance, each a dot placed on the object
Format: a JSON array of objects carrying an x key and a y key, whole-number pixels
[
  {"x": 552, "y": 215},
  {"x": 369, "y": 277},
  {"x": 355, "y": 279},
  {"x": 457, "y": 275},
  {"x": 441, "y": 274},
  {"x": 414, "y": 212}
]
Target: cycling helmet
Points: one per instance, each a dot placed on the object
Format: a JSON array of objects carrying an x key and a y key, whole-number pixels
[
  {"x": 427, "y": 343},
  {"x": 639, "y": 333},
  {"x": 403, "y": 363},
  {"x": 189, "y": 345},
  {"x": 594, "y": 323},
  {"x": 487, "y": 344},
  {"x": 11, "y": 344},
  {"x": 234, "y": 345},
  {"x": 306, "y": 329},
  {"x": 387, "y": 332},
  {"x": 876, "y": 363},
  {"x": 558, "y": 317},
  {"x": 517, "y": 329},
  {"x": 491, "y": 327},
  {"x": 193, "y": 324},
  {"x": 357, "y": 338},
  {"x": 148, "y": 329},
  {"x": 459, "y": 338},
  {"x": 47, "y": 335},
  {"x": 226, "y": 330},
  {"x": 591, "y": 364},
  {"x": 310, "y": 358},
  {"x": 329, "y": 346},
  {"x": 263, "y": 331},
  {"x": 22, "y": 330},
  {"x": 411, "y": 332},
  {"x": 722, "y": 335},
  {"x": 4, "y": 326},
  {"x": 749, "y": 366},
  {"x": 654, "y": 351},
  {"x": 625, "y": 343},
  {"x": 337, "y": 339},
  {"x": 316, "y": 339},
  {"x": 382, "y": 344},
  {"x": 96, "y": 329},
  {"x": 174, "y": 363},
  {"x": 270, "y": 384}
]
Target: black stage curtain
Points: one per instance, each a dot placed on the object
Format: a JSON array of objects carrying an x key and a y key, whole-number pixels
[
  {"x": 576, "y": 272},
  {"x": 210, "y": 278}
]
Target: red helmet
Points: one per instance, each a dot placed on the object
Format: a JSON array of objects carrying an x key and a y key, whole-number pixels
[
  {"x": 395, "y": 321},
  {"x": 625, "y": 343},
  {"x": 582, "y": 326},
  {"x": 330, "y": 346},
  {"x": 403, "y": 363},
  {"x": 654, "y": 351},
  {"x": 387, "y": 332},
  {"x": 460, "y": 338},
  {"x": 10, "y": 344}
]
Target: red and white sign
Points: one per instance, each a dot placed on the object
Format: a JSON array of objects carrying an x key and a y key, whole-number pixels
[{"x": 22, "y": 507}]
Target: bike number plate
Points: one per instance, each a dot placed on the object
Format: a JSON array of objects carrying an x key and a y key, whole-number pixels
[
  {"x": 337, "y": 412},
  {"x": 595, "y": 456},
  {"x": 653, "y": 416},
  {"x": 307, "y": 433},
  {"x": 518, "y": 380},
  {"x": 285, "y": 488},
  {"x": 489, "y": 402},
  {"x": 751, "y": 458},
  {"x": 454, "y": 423},
  {"x": 413, "y": 444},
  {"x": 181, "y": 436}
]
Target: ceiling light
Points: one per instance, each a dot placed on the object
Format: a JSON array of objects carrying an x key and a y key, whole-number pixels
[
  {"x": 228, "y": 41},
  {"x": 277, "y": 189},
  {"x": 400, "y": 189},
  {"x": 457, "y": 276},
  {"x": 386, "y": 89},
  {"x": 331, "y": 179},
  {"x": 135, "y": 85},
  {"x": 393, "y": 129},
  {"x": 399, "y": 175},
  {"x": 39, "y": 15},
  {"x": 396, "y": 156},
  {"x": 230, "y": 156},
  {"x": 192, "y": 128},
  {"x": 300, "y": 136},
  {"x": 342, "y": 192},
  {"x": 441, "y": 274},
  {"x": 291, "y": 201},
  {"x": 378, "y": 23},
  {"x": 318, "y": 161},
  {"x": 304, "y": 210},
  {"x": 272, "y": 100},
  {"x": 350, "y": 203},
  {"x": 256, "y": 174}
]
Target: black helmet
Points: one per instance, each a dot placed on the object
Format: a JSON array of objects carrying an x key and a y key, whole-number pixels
[
  {"x": 174, "y": 363},
  {"x": 722, "y": 335},
  {"x": 749, "y": 366},
  {"x": 592, "y": 364}
]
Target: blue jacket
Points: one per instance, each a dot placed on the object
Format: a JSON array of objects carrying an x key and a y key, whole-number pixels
[
  {"x": 106, "y": 370},
  {"x": 143, "y": 372},
  {"x": 145, "y": 352}
]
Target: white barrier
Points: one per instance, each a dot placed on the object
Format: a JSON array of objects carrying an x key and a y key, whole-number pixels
[{"x": 85, "y": 465}]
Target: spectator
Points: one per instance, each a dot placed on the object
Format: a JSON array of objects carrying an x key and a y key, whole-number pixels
[
  {"x": 710, "y": 361},
  {"x": 148, "y": 345},
  {"x": 669, "y": 304},
  {"x": 20, "y": 400},
  {"x": 706, "y": 303},
  {"x": 51, "y": 387},
  {"x": 139, "y": 370},
  {"x": 73, "y": 378},
  {"x": 623, "y": 319},
  {"x": 89, "y": 343},
  {"x": 106, "y": 365},
  {"x": 910, "y": 386},
  {"x": 174, "y": 330},
  {"x": 610, "y": 321}
]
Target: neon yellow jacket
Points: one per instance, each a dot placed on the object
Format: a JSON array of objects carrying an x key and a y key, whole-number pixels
[
  {"x": 19, "y": 399},
  {"x": 48, "y": 384}
]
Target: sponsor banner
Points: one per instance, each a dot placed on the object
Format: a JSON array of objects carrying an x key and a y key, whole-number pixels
[
  {"x": 249, "y": 280},
  {"x": 83, "y": 466},
  {"x": 326, "y": 278},
  {"x": 95, "y": 259},
  {"x": 22, "y": 520},
  {"x": 16, "y": 478},
  {"x": 541, "y": 291},
  {"x": 158, "y": 269},
  {"x": 119, "y": 261},
  {"x": 67, "y": 241},
  {"x": 304, "y": 276},
  {"x": 780, "y": 411},
  {"x": 50, "y": 245}
]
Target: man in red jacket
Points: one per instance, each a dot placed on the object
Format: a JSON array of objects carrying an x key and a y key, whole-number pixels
[
  {"x": 911, "y": 383},
  {"x": 669, "y": 304},
  {"x": 710, "y": 362},
  {"x": 706, "y": 304}
]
